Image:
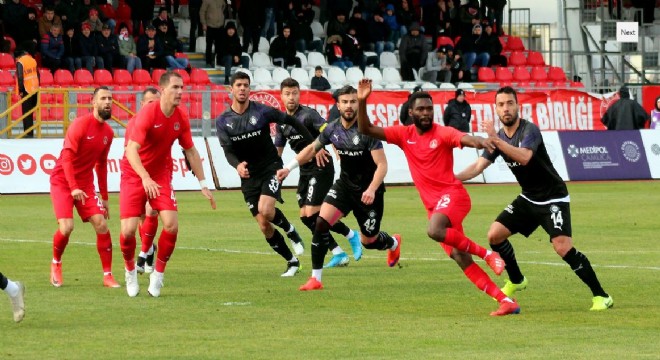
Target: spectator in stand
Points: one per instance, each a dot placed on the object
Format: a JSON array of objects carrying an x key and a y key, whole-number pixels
[
  {"x": 358, "y": 22},
  {"x": 47, "y": 20},
  {"x": 406, "y": 15},
  {"x": 458, "y": 73},
  {"x": 494, "y": 12},
  {"x": 128, "y": 50},
  {"x": 625, "y": 114},
  {"x": 141, "y": 13},
  {"x": 352, "y": 48},
  {"x": 150, "y": 50},
  {"x": 108, "y": 48},
  {"x": 196, "y": 29},
  {"x": 336, "y": 7},
  {"x": 390, "y": 19},
  {"x": 52, "y": 48},
  {"x": 283, "y": 49},
  {"x": 285, "y": 12},
  {"x": 302, "y": 29},
  {"x": 89, "y": 49},
  {"x": 251, "y": 21},
  {"x": 335, "y": 53},
  {"x": 379, "y": 32},
  {"x": 438, "y": 69},
  {"x": 447, "y": 12},
  {"x": 170, "y": 10},
  {"x": 655, "y": 114},
  {"x": 69, "y": 13},
  {"x": 469, "y": 16},
  {"x": 171, "y": 45},
  {"x": 72, "y": 58},
  {"x": 494, "y": 46},
  {"x": 268, "y": 28},
  {"x": 338, "y": 25},
  {"x": 413, "y": 52},
  {"x": 475, "y": 48},
  {"x": 164, "y": 18},
  {"x": 430, "y": 19},
  {"x": 94, "y": 22},
  {"x": 231, "y": 52},
  {"x": 458, "y": 112},
  {"x": 212, "y": 17},
  {"x": 14, "y": 15},
  {"x": 320, "y": 83},
  {"x": 29, "y": 29},
  {"x": 86, "y": 13}
]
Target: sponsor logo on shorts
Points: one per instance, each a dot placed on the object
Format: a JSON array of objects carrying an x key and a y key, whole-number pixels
[
  {"x": 509, "y": 209},
  {"x": 332, "y": 193},
  {"x": 250, "y": 205}
]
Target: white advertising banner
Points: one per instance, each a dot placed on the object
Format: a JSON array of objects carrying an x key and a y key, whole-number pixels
[
  {"x": 555, "y": 152},
  {"x": 651, "y": 140}
]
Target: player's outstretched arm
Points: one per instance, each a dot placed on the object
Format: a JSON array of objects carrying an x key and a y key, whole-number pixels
[
  {"x": 150, "y": 186},
  {"x": 364, "y": 125},
  {"x": 196, "y": 167},
  {"x": 303, "y": 157},
  {"x": 379, "y": 176},
  {"x": 473, "y": 169}
]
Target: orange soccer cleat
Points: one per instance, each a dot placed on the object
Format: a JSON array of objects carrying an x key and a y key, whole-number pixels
[
  {"x": 56, "y": 274},
  {"x": 109, "y": 281},
  {"x": 495, "y": 262},
  {"x": 393, "y": 255},
  {"x": 312, "y": 284},
  {"x": 507, "y": 308}
]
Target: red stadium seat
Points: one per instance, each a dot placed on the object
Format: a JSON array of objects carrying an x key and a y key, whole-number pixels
[
  {"x": 517, "y": 58},
  {"x": 538, "y": 74},
  {"x": 103, "y": 77},
  {"x": 122, "y": 77},
  {"x": 503, "y": 42},
  {"x": 199, "y": 77},
  {"x": 184, "y": 76},
  {"x": 156, "y": 74},
  {"x": 63, "y": 77},
  {"x": 123, "y": 13},
  {"x": 108, "y": 11},
  {"x": 577, "y": 84},
  {"x": 45, "y": 77},
  {"x": 444, "y": 40},
  {"x": 486, "y": 74},
  {"x": 141, "y": 77},
  {"x": 125, "y": 97},
  {"x": 520, "y": 73},
  {"x": 556, "y": 74},
  {"x": 12, "y": 44},
  {"x": 514, "y": 43},
  {"x": 503, "y": 75},
  {"x": 7, "y": 62},
  {"x": 7, "y": 79},
  {"x": 534, "y": 58},
  {"x": 181, "y": 55},
  {"x": 82, "y": 77}
]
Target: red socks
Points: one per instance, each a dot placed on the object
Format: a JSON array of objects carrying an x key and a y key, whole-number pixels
[
  {"x": 148, "y": 232},
  {"x": 457, "y": 239},
  {"x": 166, "y": 243},
  {"x": 59, "y": 244},
  {"x": 104, "y": 247},
  {"x": 127, "y": 245},
  {"x": 483, "y": 282}
]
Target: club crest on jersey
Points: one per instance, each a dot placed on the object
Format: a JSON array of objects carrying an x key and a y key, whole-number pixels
[
  {"x": 177, "y": 126},
  {"x": 356, "y": 139},
  {"x": 554, "y": 209},
  {"x": 105, "y": 140},
  {"x": 253, "y": 120},
  {"x": 433, "y": 144},
  {"x": 372, "y": 214},
  {"x": 312, "y": 181}
]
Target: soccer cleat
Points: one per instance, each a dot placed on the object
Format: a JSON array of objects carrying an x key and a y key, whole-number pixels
[
  {"x": 139, "y": 264},
  {"x": 393, "y": 255},
  {"x": 132, "y": 286},
  {"x": 311, "y": 284},
  {"x": 149, "y": 264},
  {"x": 601, "y": 303},
  {"x": 155, "y": 283},
  {"x": 356, "y": 245},
  {"x": 337, "y": 260},
  {"x": 510, "y": 288},
  {"x": 507, "y": 308},
  {"x": 56, "y": 274},
  {"x": 109, "y": 281},
  {"x": 495, "y": 262},
  {"x": 18, "y": 302},
  {"x": 296, "y": 242},
  {"x": 292, "y": 268}
]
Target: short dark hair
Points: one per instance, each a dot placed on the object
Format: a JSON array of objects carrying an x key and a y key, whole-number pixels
[
  {"x": 507, "y": 90},
  {"x": 318, "y": 67},
  {"x": 289, "y": 82},
  {"x": 346, "y": 90},
  {"x": 165, "y": 78},
  {"x": 239, "y": 75},
  {"x": 150, "y": 90},
  {"x": 96, "y": 91},
  {"x": 418, "y": 95},
  {"x": 49, "y": 8}
]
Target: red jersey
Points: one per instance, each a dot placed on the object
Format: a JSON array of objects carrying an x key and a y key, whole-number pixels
[
  {"x": 430, "y": 158},
  {"x": 156, "y": 133}
]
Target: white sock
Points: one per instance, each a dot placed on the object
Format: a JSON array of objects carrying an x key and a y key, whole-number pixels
[
  {"x": 143, "y": 254},
  {"x": 317, "y": 274},
  {"x": 151, "y": 250},
  {"x": 107, "y": 273},
  {"x": 350, "y": 234},
  {"x": 396, "y": 245},
  {"x": 337, "y": 250},
  {"x": 12, "y": 288},
  {"x": 56, "y": 262},
  {"x": 293, "y": 259},
  {"x": 507, "y": 299},
  {"x": 291, "y": 229}
]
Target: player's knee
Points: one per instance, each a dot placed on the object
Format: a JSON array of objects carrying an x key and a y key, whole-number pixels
[
  {"x": 322, "y": 225},
  {"x": 171, "y": 228},
  {"x": 436, "y": 233},
  {"x": 267, "y": 211},
  {"x": 101, "y": 228},
  {"x": 66, "y": 229},
  {"x": 463, "y": 259}
]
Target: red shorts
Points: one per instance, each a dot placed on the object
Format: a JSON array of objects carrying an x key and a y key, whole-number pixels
[
  {"x": 132, "y": 197},
  {"x": 455, "y": 204},
  {"x": 63, "y": 202}
]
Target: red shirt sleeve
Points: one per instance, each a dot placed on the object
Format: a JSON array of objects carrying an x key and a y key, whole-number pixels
[
  {"x": 393, "y": 134},
  {"x": 185, "y": 138},
  {"x": 452, "y": 136}
]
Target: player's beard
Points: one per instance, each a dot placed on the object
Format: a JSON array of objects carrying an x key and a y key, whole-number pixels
[
  {"x": 347, "y": 117},
  {"x": 105, "y": 114},
  {"x": 291, "y": 108},
  {"x": 510, "y": 121},
  {"x": 417, "y": 120}
]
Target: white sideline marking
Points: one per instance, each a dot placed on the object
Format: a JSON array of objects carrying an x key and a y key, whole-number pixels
[{"x": 654, "y": 268}]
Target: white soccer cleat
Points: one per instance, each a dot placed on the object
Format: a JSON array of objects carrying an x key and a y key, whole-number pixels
[
  {"x": 298, "y": 248},
  {"x": 292, "y": 268},
  {"x": 132, "y": 285},
  {"x": 18, "y": 302},
  {"x": 155, "y": 283}
]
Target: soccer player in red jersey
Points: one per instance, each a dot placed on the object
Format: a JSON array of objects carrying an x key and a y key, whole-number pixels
[
  {"x": 147, "y": 177},
  {"x": 429, "y": 150},
  {"x": 86, "y": 148}
]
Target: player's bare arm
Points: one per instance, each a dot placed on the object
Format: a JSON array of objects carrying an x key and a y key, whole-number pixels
[
  {"x": 473, "y": 169},
  {"x": 280, "y": 150},
  {"x": 150, "y": 186},
  {"x": 196, "y": 163},
  {"x": 364, "y": 125},
  {"x": 303, "y": 157},
  {"x": 369, "y": 195}
]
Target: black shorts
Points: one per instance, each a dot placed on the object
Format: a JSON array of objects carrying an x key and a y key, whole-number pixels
[
  {"x": 523, "y": 217},
  {"x": 346, "y": 200},
  {"x": 313, "y": 188},
  {"x": 254, "y": 187}
]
